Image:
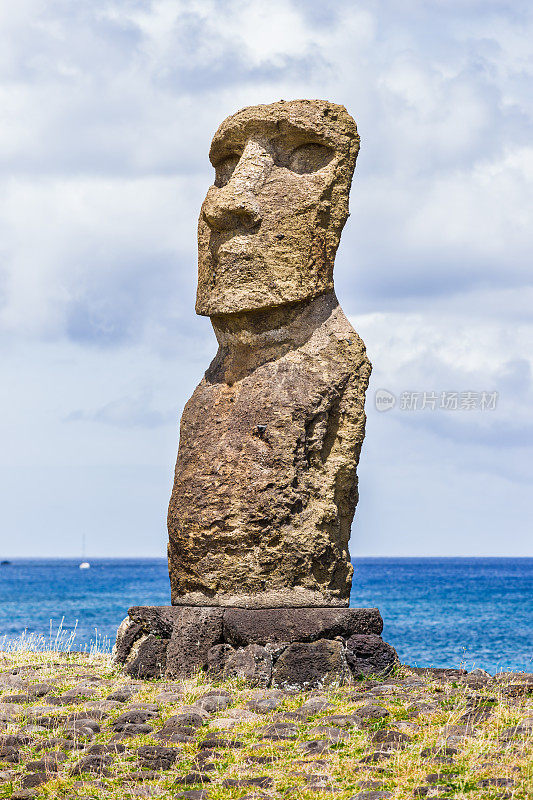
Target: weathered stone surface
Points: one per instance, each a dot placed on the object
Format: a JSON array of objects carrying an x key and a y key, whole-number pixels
[
  {"x": 253, "y": 663},
  {"x": 196, "y": 630},
  {"x": 150, "y": 658},
  {"x": 265, "y": 485},
  {"x": 265, "y": 626},
  {"x": 156, "y": 756},
  {"x": 368, "y": 654},
  {"x": 216, "y": 659},
  {"x": 248, "y": 642},
  {"x": 127, "y": 634},
  {"x": 283, "y": 175},
  {"x": 159, "y": 620},
  {"x": 311, "y": 665}
]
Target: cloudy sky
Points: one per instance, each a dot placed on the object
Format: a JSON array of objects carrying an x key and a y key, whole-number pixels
[{"x": 108, "y": 108}]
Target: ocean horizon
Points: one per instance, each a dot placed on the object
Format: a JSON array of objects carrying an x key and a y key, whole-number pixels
[{"x": 437, "y": 611}]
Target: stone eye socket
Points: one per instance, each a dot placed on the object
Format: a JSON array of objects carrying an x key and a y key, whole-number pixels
[
  {"x": 309, "y": 158},
  {"x": 224, "y": 170}
]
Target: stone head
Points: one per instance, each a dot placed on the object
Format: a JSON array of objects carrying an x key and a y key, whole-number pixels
[{"x": 270, "y": 225}]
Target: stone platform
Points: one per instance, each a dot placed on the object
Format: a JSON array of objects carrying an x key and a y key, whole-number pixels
[{"x": 287, "y": 648}]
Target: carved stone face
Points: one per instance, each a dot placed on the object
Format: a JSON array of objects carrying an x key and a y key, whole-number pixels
[{"x": 270, "y": 226}]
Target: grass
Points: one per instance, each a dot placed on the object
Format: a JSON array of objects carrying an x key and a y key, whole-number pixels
[
  {"x": 493, "y": 752},
  {"x": 60, "y": 641}
]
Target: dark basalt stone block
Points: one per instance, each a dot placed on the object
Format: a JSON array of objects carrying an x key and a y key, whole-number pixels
[
  {"x": 159, "y": 620},
  {"x": 310, "y": 665},
  {"x": 291, "y": 648},
  {"x": 195, "y": 631},
  {"x": 150, "y": 661},
  {"x": 370, "y": 655},
  {"x": 244, "y": 626},
  {"x": 253, "y": 663}
]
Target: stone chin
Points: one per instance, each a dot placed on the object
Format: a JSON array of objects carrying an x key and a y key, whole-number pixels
[
  {"x": 261, "y": 278},
  {"x": 229, "y": 300}
]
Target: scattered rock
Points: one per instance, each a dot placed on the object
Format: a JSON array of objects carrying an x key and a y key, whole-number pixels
[
  {"x": 370, "y": 713},
  {"x": 86, "y": 714},
  {"x": 104, "y": 749},
  {"x": 81, "y": 692},
  {"x": 264, "y": 705},
  {"x": 377, "y": 755},
  {"x": 133, "y": 717},
  {"x": 370, "y": 785},
  {"x": 92, "y": 763},
  {"x": 517, "y": 690},
  {"x": 172, "y": 731},
  {"x": 319, "y": 782},
  {"x": 60, "y": 743},
  {"x": 82, "y": 727},
  {"x": 34, "y": 779},
  {"x": 19, "y": 698},
  {"x": 156, "y": 756},
  {"x": 215, "y": 742},
  {"x": 169, "y": 698},
  {"x": 341, "y": 720},
  {"x": 333, "y": 734},
  {"x": 50, "y": 722},
  {"x": 45, "y": 764},
  {"x": 391, "y": 739},
  {"x": 191, "y": 778},
  {"x": 102, "y": 705},
  {"x": 132, "y": 729},
  {"x": 315, "y": 746},
  {"x": 9, "y": 754},
  {"x": 438, "y": 673},
  {"x": 441, "y": 777},
  {"x": 40, "y": 689},
  {"x": 279, "y": 731},
  {"x": 187, "y": 719},
  {"x": 214, "y": 703},
  {"x": 122, "y": 694},
  {"x": 315, "y": 705},
  {"x": 241, "y": 783},
  {"x": 439, "y": 750}
]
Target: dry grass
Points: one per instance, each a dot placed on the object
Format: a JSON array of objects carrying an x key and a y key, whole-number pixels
[{"x": 493, "y": 751}]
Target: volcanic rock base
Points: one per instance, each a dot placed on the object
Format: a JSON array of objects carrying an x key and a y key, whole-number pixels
[{"x": 287, "y": 648}]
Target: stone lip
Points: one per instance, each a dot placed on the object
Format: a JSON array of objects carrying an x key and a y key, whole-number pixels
[{"x": 297, "y": 597}]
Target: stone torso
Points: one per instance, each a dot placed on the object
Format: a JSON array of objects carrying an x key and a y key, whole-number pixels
[{"x": 265, "y": 482}]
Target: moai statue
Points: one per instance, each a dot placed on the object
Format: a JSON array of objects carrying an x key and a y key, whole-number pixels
[{"x": 265, "y": 485}]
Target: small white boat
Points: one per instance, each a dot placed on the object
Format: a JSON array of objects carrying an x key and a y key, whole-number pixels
[{"x": 83, "y": 564}]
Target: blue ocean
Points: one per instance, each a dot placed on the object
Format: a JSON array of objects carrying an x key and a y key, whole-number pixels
[{"x": 437, "y": 611}]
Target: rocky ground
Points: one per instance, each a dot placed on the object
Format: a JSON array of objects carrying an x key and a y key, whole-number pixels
[{"x": 75, "y": 726}]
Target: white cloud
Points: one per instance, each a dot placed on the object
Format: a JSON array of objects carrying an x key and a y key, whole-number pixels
[{"x": 108, "y": 111}]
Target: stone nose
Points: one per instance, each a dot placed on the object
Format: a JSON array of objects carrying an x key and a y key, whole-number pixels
[{"x": 235, "y": 205}]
